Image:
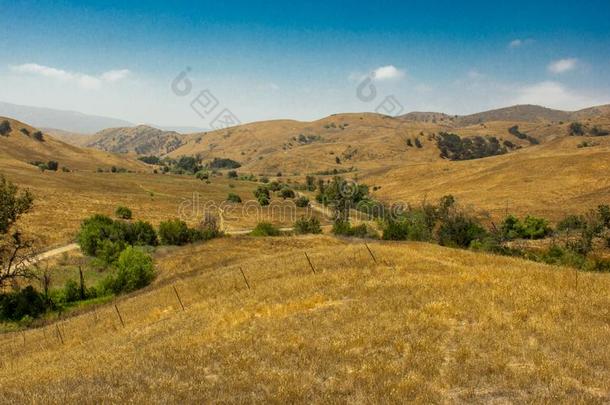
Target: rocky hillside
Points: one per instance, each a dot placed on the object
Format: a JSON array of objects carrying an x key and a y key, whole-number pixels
[{"x": 140, "y": 140}]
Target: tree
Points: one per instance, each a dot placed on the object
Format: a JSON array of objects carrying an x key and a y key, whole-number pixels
[
  {"x": 576, "y": 129},
  {"x": 15, "y": 251},
  {"x": 38, "y": 136},
  {"x": 5, "y": 128}
]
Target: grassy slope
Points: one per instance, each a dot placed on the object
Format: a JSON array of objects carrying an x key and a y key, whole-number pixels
[{"x": 427, "y": 323}]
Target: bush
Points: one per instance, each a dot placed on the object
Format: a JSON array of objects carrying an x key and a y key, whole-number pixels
[
  {"x": 104, "y": 238},
  {"x": 531, "y": 228},
  {"x": 135, "y": 270},
  {"x": 265, "y": 229},
  {"x": 232, "y": 174},
  {"x": 123, "y": 212},
  {"x": 52, "y": 165},
  {"x": 232, "y": 197},
  {"x": 174, "y": 232},
  {"x": 202, "y": 175},
  {"x": 307, "y": 225},
  {"x": 220, "y": 163},
  {"x": 27, "y": 302},
  {"x": 576, "y": 129},
  {"x": 262, "y": 195},
  {"x": 344, "y": 228},
  {"x": 5, "y": 128},
  {"x": 38, "y": 136},
  {"x": 287, "y": 193},
  {"x": 460, "y": 231},
  {"x": 142, "y": 234},
  {"x": 302, "y": 202}
]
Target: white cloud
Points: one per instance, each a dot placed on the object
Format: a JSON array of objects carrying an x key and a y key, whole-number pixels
[
  {"x": 555, "y": 95},
  {"x": 82, "y": 80},
  {"x": 388, "y": 72},
  {"x": 563, "y": 65},
  {"x": 515, "y": 43},
  {"x": 115, "y": 75}
]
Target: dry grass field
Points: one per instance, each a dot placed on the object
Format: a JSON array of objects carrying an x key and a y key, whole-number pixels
[{"x": 424, "y": 323}]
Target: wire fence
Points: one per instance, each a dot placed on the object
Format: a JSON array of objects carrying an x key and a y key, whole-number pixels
[{"x": 146, "y": 308}]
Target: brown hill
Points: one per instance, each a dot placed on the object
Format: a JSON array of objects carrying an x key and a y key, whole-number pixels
[
  {"x": 141, "y": 140},
  {"x": 23, "y": 144},
  {"x": 522, "y": 113}
]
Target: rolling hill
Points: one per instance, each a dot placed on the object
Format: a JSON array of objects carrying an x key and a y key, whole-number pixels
[
  {"x": 424, "y": 324},
  {"x": 139, "y": 140},
  {"x": 517, "y": 113}
]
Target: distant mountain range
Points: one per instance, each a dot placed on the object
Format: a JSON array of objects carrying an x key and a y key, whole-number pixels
[{"x": 72, "y": 121}]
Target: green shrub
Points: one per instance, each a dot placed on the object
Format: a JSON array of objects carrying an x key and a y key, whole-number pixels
[
  {"x": 220, "y": 163},
  {"x": 307, "y": 225},
  {"x": 93, "y": 231},
  {"x": 135, "y": 270},
  {"x": 174, "y": 232},
  {"x": 52, "y": 165},
  {"x": 302, "y": 202},
  {"x": 232, "y": 197},
  {"x": 531, "y": 228},
  {"x": 123, "y": 212},
  {"x": 232, "y": 174},
  {"x": 460, "y": 231},
  {"x": 395, "y": 230},
  {"x": 142, "y": 234},
  {"x": 265, "y": 229},
  {"x": 287, "y": 193},
  {"x": 26, "y": 302},
  {"x": 344, "y": 228},
  {"x": 202, "y": 175}
]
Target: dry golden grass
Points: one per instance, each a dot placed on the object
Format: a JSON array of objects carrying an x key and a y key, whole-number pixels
[{"x": 425, "y": 323}]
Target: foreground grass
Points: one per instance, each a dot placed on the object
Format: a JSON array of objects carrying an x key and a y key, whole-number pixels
[{"x": 425, "y": 323}]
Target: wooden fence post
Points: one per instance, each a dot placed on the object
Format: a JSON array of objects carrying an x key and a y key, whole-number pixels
[
  {"x": 178, "y": 296},
  {"x": 370, "y": 252},
  {"x": 61, "y": 338},
  {"x": 119, "y": 314},
  {"x": 310, "y": 265},
  {"x": 244, "y": 276}
]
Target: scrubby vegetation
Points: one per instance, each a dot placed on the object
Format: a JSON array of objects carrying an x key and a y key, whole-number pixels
[
  {"x": 453, "y": 147},
  {"x": 224, "y": 163},
  {"x": 514, "y": 130},
  {"x": 234, "y": 198},
  {"x": 265, "y": 229},
  {"x": 307, "y": 225},
  {"x": 123, "y": 212}
]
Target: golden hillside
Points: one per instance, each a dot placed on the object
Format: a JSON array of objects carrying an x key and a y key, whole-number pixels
[
  {"x": 19, "y": 147},
  {"x": 424, "y": 323}
]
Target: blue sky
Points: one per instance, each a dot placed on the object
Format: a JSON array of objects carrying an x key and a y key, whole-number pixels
[{"x": 275, "y": 59}]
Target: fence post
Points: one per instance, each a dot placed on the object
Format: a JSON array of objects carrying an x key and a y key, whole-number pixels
[
  {"x": 310, "y": 265},
  {"x": 119, "y": 314},
  {"x": 244, "y": 276},
  {"x": 370, "y": 252},
  {"x": 178, "y": 296},
  {"x": 61, "y": 338}
]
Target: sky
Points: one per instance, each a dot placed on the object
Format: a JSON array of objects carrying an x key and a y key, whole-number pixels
[{"x": 183, "y": 63}]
